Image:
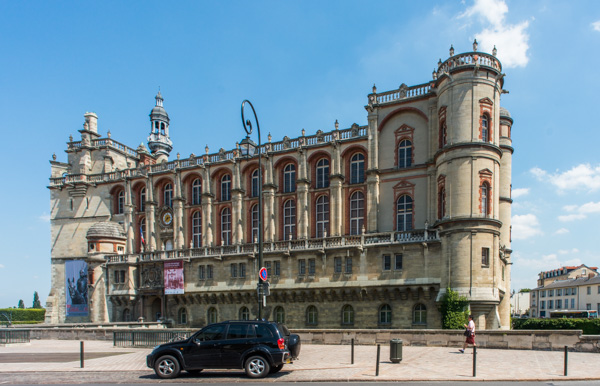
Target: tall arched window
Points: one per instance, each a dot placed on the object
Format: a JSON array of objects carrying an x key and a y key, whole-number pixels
[
  {"x": 142, "y": 199},
  {"x": 182, "y": 316},
  {"x": 322, "y": 212},
  {"x": 322, "y": 173},
  {"x": 289, "y": 178},
  {"x": 347, "y": 315},
  {"x": 443, "y": 140},
  {"x": 485, "y": 199},
  {"x": 420, "y": 314},
  {"x": 226, "y": 187},
  {"x": 255, "y": 184},
  {"x": 385, "y": 314},
  {"x": 485, "y": 129},
  {"x": 226, "y": 226},
  {"x": 404, "y": 213},
  {"x": 197, "y": 192},
  {"x": 121, "y": 202},
  {"x": 168, "y": 195},
  {"x": 312, "y": 315},
  {"x": 279, "y": 314},
  {"x": 357, "y": 169},
  {"x": 244, "y": 313},
  {"x": 126, "y": 315},
  {"x": 254, "y": 220},
  {"x": 442, "y": 203},
  {"x": 289, "y": 220},
  {"x": 357, "y": 212},
  {"x": 405, "y": 154},
  {"x": 197, "y": 229},
  {"x": 211, "y": 315}
]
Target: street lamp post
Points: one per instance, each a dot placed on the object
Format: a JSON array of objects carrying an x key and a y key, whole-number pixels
[{"x": 248, "y": 148}]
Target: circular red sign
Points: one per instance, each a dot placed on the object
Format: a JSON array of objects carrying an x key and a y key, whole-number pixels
[{"x": 263, "y": 274}]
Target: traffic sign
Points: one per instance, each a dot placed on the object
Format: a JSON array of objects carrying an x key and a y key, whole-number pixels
[{"x": 262, "y": 274}]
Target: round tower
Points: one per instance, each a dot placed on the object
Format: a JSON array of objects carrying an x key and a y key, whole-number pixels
[
  {"x": 471, "y": 166},
  {"x": 159, "y": 142}
]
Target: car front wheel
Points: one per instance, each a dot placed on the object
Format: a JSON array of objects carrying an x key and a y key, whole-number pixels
[
  {"x": 257, "y": 367},
  {"x": 167, "y": 367}
]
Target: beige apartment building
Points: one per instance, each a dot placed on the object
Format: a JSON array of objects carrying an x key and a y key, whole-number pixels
[{"x": 364, "y": 226}]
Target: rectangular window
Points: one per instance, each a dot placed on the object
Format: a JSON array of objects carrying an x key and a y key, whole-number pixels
[
  {"x": 599, "y": 289},
  {"x": 398, "y": 262},
  {"x": 311, "y": 267},
  {"x": 301, "y": 267},
  {"x": 550, "y": 293},
  {"x": 348, "y": 265},
  {"x": 589, "y": 290},
  {"x": 550, "y": 304},
  {"x": 573, "y": 303},
  {"x": 209, "y": 271},
  {"x": 386, "y": 263},
  {"x": 567, "y": 291},
  {"x": 559, "y": 303},
  {"x": 588, "y": 306},
  {"x": 574, "y": 291},
  {"x": 543, "y": 305},
  {"x": 242, "y": 270},
  {"x": 268, "y": 267},
  {"x": 533, "y": 294},
  {"x": 201, "y": 272},
  {"x": 233, "y": 270},
  {"x": 337, "y": 264},
  {"x": 543, "y": 293},
  {"x": 485, "y": 257},
  {"x": 559, "y": 292}
]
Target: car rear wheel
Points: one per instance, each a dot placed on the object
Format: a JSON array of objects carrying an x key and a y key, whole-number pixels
[
  {"x": 167, "y": 367},
  {"x": 257, "y": 367},
  {"x": 276, "y": 369}
]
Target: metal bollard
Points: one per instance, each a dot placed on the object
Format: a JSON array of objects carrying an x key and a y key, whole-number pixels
[
  {"x": 566, "y": 360},
  {"x": 352, "y": 352},
  {"x": 81, "y": 354},
  {"x": 377, "y": 367},
  {"x": 474, "y": 361}
]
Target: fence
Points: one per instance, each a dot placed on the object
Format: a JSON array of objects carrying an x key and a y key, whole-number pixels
[
  {"x": 147, "y": 338},
  {"x": 9, "y": 336}
]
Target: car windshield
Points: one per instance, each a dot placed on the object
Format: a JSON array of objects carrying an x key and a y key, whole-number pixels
[{"x": 283, "y": 328}]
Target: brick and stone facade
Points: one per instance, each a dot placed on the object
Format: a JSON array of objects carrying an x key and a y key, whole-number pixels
[{"x": 364, "y": 227}]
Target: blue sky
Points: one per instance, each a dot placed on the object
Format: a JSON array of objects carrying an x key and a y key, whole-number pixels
[{"x": 303, "y": 65}]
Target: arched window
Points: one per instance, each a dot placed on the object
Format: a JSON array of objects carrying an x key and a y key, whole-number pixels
[
  {"x": 226, "y": 226},
  {"x": 322, "y": 173},
  {"x": 126, "y": 315},
  {"x": 121, "y": 202},
  {"x": 142, "y": 199},
  {"x": 357, "y": 169},
  {"x": 244, "y": 313},
  {"x": 279, "y": 314},
  {"x": 289, "y": 220},
  {"x": 485, "y": 129},
  {"x": 347, "y": 315},
  {"x": 385, "y": 314},
  {"x": 289, "y": 178},
  {"x": 404, "y": 213},
  {"x": 162, "y": 128},
  {"x": 420, "y": 314},
  {"x": 357, "y": 212},
  {"x": 168, "y": 195},
  {"x": 442, "y": 203},
  {"x": 182, "y": 316},
  {"x": 254, "y": 220},
  {"x": 255, "y": 188},
  {"x": 197, "y": 229},
  {"x": 322, "y": 212},
  {"x": 312, "y": 315},
  {"x": 211, "y": 315},
  {"x": 485, "y": 199},
  {"x": 197, "y": 192},
  {"x": 443, "y": 134},
  {"x": 226, "y": 187},
  {"x": 405, "y": 154}
]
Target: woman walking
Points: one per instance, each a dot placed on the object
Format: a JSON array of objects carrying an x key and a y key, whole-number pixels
[{"x": 470, "y": 333}]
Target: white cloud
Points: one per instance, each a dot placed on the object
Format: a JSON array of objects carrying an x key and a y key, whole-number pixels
[
  {"x": 590, "y": 207},
  {"x": 580, "y": 212},
  {"x": 510, "y": 39},
  {"x": 571, "y": 217},
  {"x": 516, "y": 193},
  {"x": 562, "y": 231},
  {"x": 580, "y": 177},
  {"x": 45, "y": 217},
  {"x": 546, "y": 262},
  {"x": 567, "y": 252},
  {"x": 525, "y": 226},
  {"x": 1, "y": 266},
  {"x": 596, "y": 25}
]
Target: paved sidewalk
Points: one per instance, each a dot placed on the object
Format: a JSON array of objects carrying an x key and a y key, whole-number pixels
[{"x": 321, "y": 363}]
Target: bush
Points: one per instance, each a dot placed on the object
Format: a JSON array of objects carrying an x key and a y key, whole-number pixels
[
  {"x": 588, "y": 326},
  {"x": 454, "y": 310},
  {"x": 23, "y": 315}
]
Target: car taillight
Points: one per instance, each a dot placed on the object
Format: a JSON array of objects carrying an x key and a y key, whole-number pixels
[{"x": 281, "y": 343}]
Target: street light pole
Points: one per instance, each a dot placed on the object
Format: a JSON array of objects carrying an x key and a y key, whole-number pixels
[{"x": 248, "y": 144}]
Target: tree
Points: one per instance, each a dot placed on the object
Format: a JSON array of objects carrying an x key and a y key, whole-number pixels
[
  {"x": 36, "y": 300},
  {"x": 454, "y": 310},
  {"x": 21, "y": 304}
]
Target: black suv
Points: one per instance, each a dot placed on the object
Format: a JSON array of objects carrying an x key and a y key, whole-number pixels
[{"x": 259, "y": 347}]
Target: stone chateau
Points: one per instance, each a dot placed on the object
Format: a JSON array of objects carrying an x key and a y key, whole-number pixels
[{"x": 364, "y": 226}]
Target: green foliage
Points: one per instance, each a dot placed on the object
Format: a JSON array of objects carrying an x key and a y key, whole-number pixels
[
  {"x": 21, "y": 304},
  {"x": 588, "y": 326},
  {"x": 36, "y": 301},
  {"x": 525, "y": 290},
  {"x": 23, "y": 315},
  {"x": 454, "y": 310}
]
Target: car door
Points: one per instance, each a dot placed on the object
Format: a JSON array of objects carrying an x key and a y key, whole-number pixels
[
  {"x": 240, "y": 338},
  {"x": 205, "y": 351}
]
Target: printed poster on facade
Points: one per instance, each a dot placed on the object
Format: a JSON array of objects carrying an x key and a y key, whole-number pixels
[
  {"x": 173, "y": 277},
  {"x": 77, "y": 287}
]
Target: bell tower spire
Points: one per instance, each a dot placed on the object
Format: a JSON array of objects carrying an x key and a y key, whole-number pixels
[{"x": 159, "y": 142}]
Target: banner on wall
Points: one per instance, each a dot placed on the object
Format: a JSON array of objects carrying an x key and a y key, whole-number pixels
[
  {"x": 77, "y": 287},
  {"x": 173, "y": 277}
]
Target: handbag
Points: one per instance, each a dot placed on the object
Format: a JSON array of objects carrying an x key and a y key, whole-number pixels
[{"x": 467, "y": 332}]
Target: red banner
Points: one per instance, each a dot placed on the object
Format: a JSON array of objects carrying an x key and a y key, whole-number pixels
[{"x": 173, "y": 277}]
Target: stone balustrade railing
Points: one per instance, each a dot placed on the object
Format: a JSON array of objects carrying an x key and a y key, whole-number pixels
[
  {"x": 469, "y": 59},
  {"x": 404, "y": 92},
  {"x": 318, "y": 244}
]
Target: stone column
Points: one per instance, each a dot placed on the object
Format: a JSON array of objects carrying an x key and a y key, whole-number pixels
[
  {"x": 302, "y": 186},
  {"x": 150, "y": 216},
  {"x": 129, "y": 228},
  {"x": 178, "y": 221},
  {"x": 236, "y": 204},
  {"x": 207, "y": 220}
]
